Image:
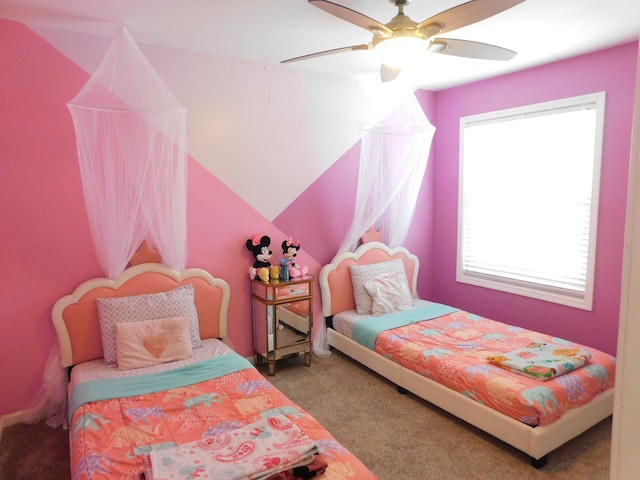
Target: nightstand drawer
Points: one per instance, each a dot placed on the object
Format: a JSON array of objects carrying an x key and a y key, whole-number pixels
[{"x": 291, "y": 291}]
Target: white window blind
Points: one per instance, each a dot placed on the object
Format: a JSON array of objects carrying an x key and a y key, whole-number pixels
[{"x": 529, "y": 185}]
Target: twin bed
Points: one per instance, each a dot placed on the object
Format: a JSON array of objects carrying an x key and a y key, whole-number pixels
[
  {"x": 530, "y": 390},
  {"x": 155, "y": 391},
  {"x": 154, "y": 388}
]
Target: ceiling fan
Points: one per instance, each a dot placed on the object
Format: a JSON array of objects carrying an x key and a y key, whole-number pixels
[{"x": 399, "y": 40}]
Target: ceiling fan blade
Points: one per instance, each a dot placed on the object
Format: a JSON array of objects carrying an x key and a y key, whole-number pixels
[
  {"x": 352, "y": 16},
  {"x": 388, "y": 74},
  {"x": 327, "y": 52},
  {"x": 465, "y": 14},
  {"x": 469, "y": 49}
]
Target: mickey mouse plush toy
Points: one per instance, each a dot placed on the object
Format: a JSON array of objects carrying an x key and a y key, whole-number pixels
[
  {"x": 289, "y": 251},
  {"x": 259, "y": 246}
]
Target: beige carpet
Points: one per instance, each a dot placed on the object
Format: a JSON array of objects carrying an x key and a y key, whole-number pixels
[
  {"x": 402, "y": 437},
  {"x": 399, "y": 437}
]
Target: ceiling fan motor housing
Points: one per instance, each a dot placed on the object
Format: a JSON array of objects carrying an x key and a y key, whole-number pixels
[{"x": 401, "y": 26}]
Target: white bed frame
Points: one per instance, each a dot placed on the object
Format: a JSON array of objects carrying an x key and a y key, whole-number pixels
[{"x": 536, "y": 442}]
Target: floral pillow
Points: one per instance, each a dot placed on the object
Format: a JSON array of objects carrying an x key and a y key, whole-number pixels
[
  {"x": 174, "y": 303},
  {"x": 360, "y": 274},
  {"x": 389, "y": 293},
  {"x": 152, "y": 342}
]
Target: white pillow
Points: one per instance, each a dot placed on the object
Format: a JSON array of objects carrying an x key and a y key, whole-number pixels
[
  {"x": 389, "y": 293},
  {"x": 363, "y": 273},
  {"x": 152, "y": 342},
  {"x": 174, "y": 303}
]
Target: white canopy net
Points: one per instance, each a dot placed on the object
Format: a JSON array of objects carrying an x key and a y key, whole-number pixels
[
  {"x": 131, "y": 139},
  {"x": 393, "y": 159}
]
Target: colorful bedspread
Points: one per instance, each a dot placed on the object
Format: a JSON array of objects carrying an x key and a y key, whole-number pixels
[
  {"x": 453, "y": 349},
  {"x": 366, "y": 331},
  {"x": 112, "y": 438}
]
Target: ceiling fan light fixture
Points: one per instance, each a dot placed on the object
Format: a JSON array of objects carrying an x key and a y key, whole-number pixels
[{"x": 400, "y": 51}]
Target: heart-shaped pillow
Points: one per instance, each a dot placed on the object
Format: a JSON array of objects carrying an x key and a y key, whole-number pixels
[{"x": 156, "y": 344}]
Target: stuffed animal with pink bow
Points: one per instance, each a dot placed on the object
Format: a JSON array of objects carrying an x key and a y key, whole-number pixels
[
  {"x": 261, "y": 268},
  {"x": 290, "y": 249}
]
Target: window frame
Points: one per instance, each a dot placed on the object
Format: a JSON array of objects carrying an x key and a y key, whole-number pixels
[{"x": 581, "y": 300}]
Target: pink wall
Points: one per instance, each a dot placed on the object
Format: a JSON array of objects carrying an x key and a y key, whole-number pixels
[
  {"x": 612, "y": 71},
  {"x": 47, "y": 244}
]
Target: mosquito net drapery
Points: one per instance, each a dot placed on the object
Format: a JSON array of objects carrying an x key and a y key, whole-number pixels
[
  {"x": 131, "y": 141},
  {"x": 393, "y": 159}
]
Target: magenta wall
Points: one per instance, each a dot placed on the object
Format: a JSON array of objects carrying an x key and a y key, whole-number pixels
[{"x": 612, "y": 71}]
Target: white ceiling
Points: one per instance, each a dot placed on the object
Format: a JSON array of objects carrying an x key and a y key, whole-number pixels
[{"x": 268, "y": 31}]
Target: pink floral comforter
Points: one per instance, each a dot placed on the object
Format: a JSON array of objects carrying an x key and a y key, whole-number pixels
[
  {"x": 112, "y": 438},
  {"x": 453, "y": 350}
]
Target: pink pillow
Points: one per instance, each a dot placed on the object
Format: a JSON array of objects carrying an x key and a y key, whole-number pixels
[
  {"x": 152, "y": 342},
  {"x": 389, "y": 293}
]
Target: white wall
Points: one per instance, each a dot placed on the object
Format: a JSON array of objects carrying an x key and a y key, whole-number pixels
[{"x": 625, "y": 443}]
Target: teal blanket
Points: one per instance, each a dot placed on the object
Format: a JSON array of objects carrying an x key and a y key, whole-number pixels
[
  {"x": 366, "y": 330},
  {"x": 109, "y": 388}
]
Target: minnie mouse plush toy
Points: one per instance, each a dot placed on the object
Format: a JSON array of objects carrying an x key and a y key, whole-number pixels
[
  {"x": 259, "y": 246},
  {"x": 289, "y": 251}
]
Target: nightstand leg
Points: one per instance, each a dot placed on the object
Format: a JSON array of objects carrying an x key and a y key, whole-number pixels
[
  {"x": 272, "y": 368},
  {"x": 307, "y": 359}
]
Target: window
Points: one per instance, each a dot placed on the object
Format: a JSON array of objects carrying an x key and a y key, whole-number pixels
[{"x": 528, "y": 205}]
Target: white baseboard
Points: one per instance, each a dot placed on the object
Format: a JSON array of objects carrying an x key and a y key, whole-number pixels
[{"x": 10, "y": 419}]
